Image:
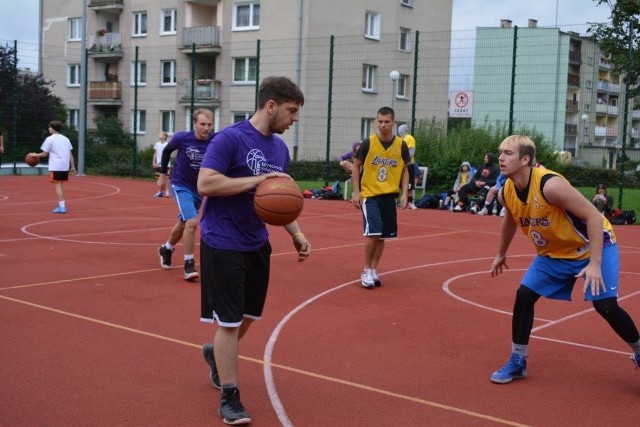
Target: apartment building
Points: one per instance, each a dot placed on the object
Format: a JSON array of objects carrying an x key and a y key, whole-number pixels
[
  {"x": 560, "y": 84},
  {"x": 151, "y": 62}
]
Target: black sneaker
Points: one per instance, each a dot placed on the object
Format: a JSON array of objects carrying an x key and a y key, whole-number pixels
[
  {"x": 165, "y": 256},
  {"x": 190, "y": 272},
  {"x": 231, "y": 408},
  {"x": 207, "y": 352}
]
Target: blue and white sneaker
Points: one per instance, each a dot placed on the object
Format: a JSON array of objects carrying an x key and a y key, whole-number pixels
[
  {"x": 60, "y": 210},
  {"x": 636, "y": 360},
  {"x": 515, "y": 368}
]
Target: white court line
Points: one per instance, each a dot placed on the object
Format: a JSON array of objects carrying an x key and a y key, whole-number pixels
[{"x": 268, "y": 353}]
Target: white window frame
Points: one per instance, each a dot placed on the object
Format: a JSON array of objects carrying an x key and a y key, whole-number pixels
[
  {"x": 172, "y": 15},
  {"x": 402, "y": 86},
  {"x": 366, "y": 127},
  {"x": 405, "y": 40},
  {"x": 368, "y": 77},
  {"x": 75, "y": 29},
  {"x": 74, "y": 75},
  {"x": 254, "y": 15},
  {"x": 170, "y": 78},
  {"x": 240, "y": 116},
  {"x": 141, "y": 122},
  {"x": 142, "y": 73},
  {"x": 139, "y": 23},
  {"x": 247, "y": 69},
  {"x": 168, "y": 121},
  {"x": 73, "y": 119},
  {"x": 372, "y": 25}
]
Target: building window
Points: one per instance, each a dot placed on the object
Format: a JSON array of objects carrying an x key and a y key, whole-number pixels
[
  {"x": 366, "y": 125},
  {"x": 244, "y": 70},
  {"x": 73, "y": 120},
  {"x": 75, "y": 29},
  {"x": 241, "y": 116},
  {"x": 368, "y": 76},
  {"x": 168, "y": 121},
  {"x": 139, "y": 122},
  {"x": 246, "y": 16},
  {"x": 139, "y": 24},
  {"x": 405, "y": 39},
  {"x": 402, "y": 86},
  {"x": 168, "y": 73},
  {"x": 168, "y": 21},
  {"x": 588, "y": 84},
  {"x": 587, "y": 107},
  {"x": 372, "y": 25},
  {"x": 142, "y": 73},
  {"x": 73, "y": 75}
]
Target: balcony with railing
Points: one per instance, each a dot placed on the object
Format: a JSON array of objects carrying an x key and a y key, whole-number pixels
[
  {"x": 570, "y": 129},
  {"x": 572, "y": 105},
  {"x": 205, "y": 91},
  {"x": 635, "y": 133},
  {"x": 575, "y": 57},
  {"x": 105, "y": 93},
  {"x": 635, "y": 114},
  {"x": 600, "y": 131},
  {"x": 105, "y": 45},
  {"x": 106, "y": 5},
  {"x": 573, "y": 80},
  {"x": 205, "y": 39}
]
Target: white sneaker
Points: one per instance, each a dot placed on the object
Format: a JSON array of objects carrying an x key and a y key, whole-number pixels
[
  {"x": 458, "y": 208},
  {"x": 473, "y": 210},
  {"x": 376, "y": 280},
  {"x": 412, "y": 206},
  {"x": 483, "y": 211},
  {"x": 367, "y": 279},
  {"x": 502, "y": 212}
]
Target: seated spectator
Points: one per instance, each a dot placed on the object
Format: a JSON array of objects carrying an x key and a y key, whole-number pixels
[
  {"x": 483, "y": 180},
  {"x": 602, "y": 201},
  {"x": 346, "y": 160},
  {"x": 491, "y": 196},
  {"x": 464, "y": 176}
]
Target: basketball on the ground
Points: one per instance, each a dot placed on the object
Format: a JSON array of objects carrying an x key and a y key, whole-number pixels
[
  {"x": 278, "y": 201},
  {"x": 32, "y": 160}
]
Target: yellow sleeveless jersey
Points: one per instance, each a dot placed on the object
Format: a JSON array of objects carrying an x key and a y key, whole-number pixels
[
  {"x": 382, "y": 169},
  {"x": 554, "y": 232},
  {"x": 411, "y": 143}
]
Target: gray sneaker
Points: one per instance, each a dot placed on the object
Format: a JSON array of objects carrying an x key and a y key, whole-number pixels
[
  {"x": 231, "y": 408},
  {"x": 207, "y": 353}
]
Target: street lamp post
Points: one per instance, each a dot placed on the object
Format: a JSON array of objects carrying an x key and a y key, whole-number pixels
[
  {"x": 581, "y": 133},
  {"x": 394, "y": 76}
]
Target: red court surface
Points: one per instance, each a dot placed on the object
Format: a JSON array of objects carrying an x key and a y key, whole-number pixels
[{"x": 94, "y": 332}]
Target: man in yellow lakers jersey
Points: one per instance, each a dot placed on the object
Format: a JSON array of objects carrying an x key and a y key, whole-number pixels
[
  {"x": 379, "y": 172},
  {"x": 572, "y": 239}
]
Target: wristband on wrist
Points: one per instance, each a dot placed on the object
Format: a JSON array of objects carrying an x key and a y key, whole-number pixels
[{"x": 298, "y": 234}]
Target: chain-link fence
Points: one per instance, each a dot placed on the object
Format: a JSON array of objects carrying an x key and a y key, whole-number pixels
[{"x": 554, "y": 82}]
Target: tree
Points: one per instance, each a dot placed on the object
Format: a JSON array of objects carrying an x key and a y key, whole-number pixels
[
  {"x": 35, "y": 107},
  {"x": 618, "y": 36}
]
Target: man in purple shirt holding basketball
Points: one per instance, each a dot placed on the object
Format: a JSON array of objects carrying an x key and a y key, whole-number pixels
[
  {"x": 191, "y": 147},
  {"x": 234, "y": 249}
]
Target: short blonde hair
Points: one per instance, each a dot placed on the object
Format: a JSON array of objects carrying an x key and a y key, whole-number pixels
[{"x": 526, "y": 146}]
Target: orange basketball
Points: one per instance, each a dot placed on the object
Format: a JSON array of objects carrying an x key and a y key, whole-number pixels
[
  {"x": 32, "y": 160},
  {"x": 278, "y": 201}
]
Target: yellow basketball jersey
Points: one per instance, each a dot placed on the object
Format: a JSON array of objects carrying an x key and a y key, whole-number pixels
[
  {"x": 411, "y": 143},
  {"x": 554, "y": 232},
  {"x": 382, "y": 169}
]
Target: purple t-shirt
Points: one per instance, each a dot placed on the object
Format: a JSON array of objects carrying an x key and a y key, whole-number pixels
[
  {"x": 239, "y": 150},
  {"x": 190, "y": 153}
]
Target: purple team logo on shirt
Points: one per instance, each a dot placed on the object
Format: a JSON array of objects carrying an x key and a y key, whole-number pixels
[{"x": 255, "y": 161}]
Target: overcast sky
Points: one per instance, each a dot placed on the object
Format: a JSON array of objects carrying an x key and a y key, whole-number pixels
[{"x": 22, "y": 22}]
